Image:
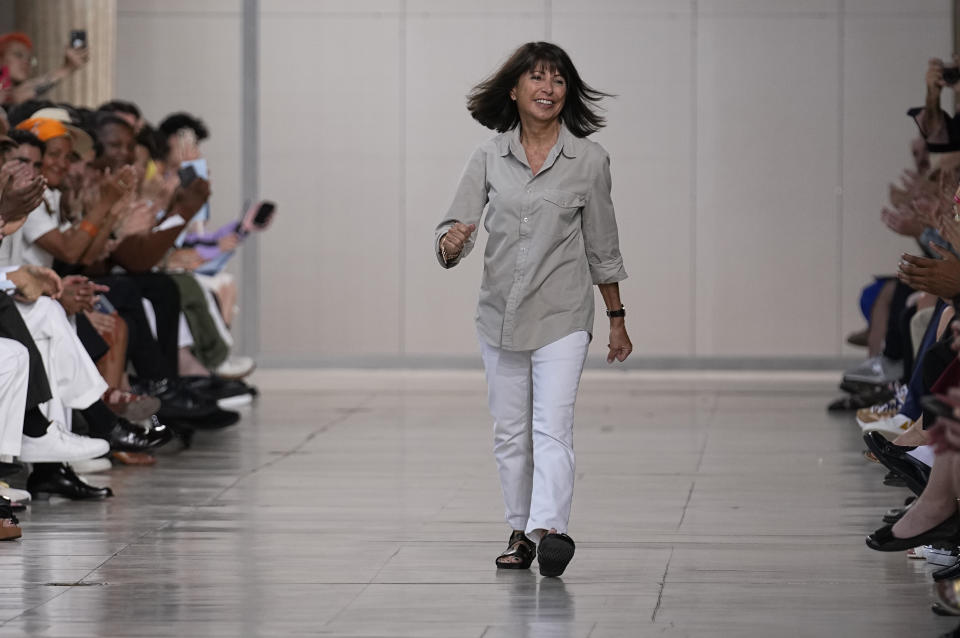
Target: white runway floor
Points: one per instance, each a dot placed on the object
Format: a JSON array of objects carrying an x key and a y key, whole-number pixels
[{"x": 367, "y": 504}]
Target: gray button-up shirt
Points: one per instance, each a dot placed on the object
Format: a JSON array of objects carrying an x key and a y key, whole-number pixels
[{"x": 551, "y": 237}]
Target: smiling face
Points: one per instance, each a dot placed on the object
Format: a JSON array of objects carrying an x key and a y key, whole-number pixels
[
  {"x": 540, "y": 94},
  {"x": 56, "y": 160},
  {"x": 118, "y": 145}
]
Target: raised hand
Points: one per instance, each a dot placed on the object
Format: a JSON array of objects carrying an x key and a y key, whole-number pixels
[
  {"x": 903, "y": 223},
  {"x": 75, "y": 59},
  {"x": 138, "y": 219},
  {"x": 78, "y": 294},
  {"x": 453, "y": 242},
  {"x": 160, "y": 189},
  {"x": 22, "y": 191},
  {"x": 192, "y": 197},
  {"x": 940, "y": 277},
  {"x": 114, "y": 186}
]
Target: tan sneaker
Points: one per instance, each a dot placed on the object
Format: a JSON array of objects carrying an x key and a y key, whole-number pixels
[{"x": 874, "y": 413}]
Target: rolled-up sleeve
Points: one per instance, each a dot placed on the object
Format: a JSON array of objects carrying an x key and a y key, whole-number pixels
[
  {"x": 467, "y": 206},
  {"x": 599, "y": 224}
]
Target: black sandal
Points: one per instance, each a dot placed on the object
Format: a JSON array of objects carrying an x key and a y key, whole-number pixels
[
  {"x": 521, "y": 547},
  {"x": 554, "y": 553}
]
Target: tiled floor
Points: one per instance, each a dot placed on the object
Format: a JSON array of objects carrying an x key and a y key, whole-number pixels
[{"x": 367, "y": 504}]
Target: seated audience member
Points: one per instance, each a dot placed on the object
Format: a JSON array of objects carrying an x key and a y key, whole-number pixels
[
  {"x": 181, "y": 134},
  {"x": 137, "y": 254},
  {"x": 16, "y": 67}
]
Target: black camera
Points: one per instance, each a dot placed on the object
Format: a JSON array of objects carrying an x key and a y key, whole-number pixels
[{"x": 951, "y": 75}]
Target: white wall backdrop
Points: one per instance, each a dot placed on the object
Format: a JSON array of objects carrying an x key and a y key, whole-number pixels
[{"x": 751, "y": 144}]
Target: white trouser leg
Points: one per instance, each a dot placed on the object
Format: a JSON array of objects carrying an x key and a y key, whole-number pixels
[
  {"x": 74, "y": 378},
  {"x": 14, "y": 373},
  {"x": 556, "y": 370},
  {"x": 508, "y": 395}
]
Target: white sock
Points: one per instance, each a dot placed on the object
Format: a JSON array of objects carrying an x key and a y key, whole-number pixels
[{"x": 924, "y": 454}]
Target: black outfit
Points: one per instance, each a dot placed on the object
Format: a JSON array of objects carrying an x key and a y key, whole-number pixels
[
  {"x": 896, "y": 336},
  {"x": 92, "y": 342},
  {"x": 153, "y": 359}
]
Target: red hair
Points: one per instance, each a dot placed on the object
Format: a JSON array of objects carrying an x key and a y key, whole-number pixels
[{"x": 14, "y": 36}]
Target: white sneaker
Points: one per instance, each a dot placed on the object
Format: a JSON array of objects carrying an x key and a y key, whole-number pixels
[
  {"x": 59, "y": 446},
  {"x": 15, "y": 495},
  {"x": 892, "y": 427},
  {"x": 236, "y": 367},
  {"x": 877, "y": 370},
  {"x": 231, "y": 403},
  {"x": 92, "y": 466}
]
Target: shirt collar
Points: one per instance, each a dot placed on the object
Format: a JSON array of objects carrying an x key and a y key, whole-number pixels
[{"x": 570, "y": 144}]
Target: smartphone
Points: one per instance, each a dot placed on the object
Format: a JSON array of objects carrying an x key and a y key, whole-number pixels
[
  {"x": 935, "y": 406},
  {"x": 951, "y": 75},
  {"x": 257, "y": 217},
  {"x": 78, "y": 39},
  {"x": 187, "y": 174},
  {"x": 103, "y": 305},
  {"x": 264, "y": 214}
]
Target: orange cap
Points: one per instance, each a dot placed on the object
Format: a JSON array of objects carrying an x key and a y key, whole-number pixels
[{"x": 44, "y": 128}]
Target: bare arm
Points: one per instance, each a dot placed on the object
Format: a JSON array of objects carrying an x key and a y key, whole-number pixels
[{"x": 619, "y": 346}]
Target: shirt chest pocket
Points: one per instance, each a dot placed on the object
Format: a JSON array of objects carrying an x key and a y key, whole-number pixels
[{"x": 562, "y": 208}]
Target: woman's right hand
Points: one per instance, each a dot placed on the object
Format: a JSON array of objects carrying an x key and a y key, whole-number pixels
[{"x": 453, "y": 242}]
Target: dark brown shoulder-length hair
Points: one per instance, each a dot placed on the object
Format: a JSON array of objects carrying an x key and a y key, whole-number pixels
[{"x": 489, "y": 102}]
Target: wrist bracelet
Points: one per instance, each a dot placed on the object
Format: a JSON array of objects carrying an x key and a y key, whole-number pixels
[
  {"x": 618, "y": 313},
  {"x": 88, "y": 227}
]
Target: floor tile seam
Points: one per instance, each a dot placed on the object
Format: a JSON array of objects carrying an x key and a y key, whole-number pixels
[
  {"x": 70, "y": 588},
  {"x": 663, "y": 585},
  {"x": 194, "y": 508},
  {"x": 337, "y": 420},
  {"x": 365, "y": 587}
]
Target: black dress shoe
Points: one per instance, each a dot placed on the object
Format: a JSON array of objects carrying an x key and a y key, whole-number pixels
[
  {"x": 883, "y": 539},
  {"x": 891, "y": 479},
  {"x": 180, "y": 403},
  {"x": 212, "y": 421},
  {"x": 877, "y": 443},
  {"x": 913, "y": 473},
  {"x": 215, "y": 388},
  {"x": 947, "y": 573},
  {"x": 129, "y": 437},
  {"x": 61, "y": 479}
]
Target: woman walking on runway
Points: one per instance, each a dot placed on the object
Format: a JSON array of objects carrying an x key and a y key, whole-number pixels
[{"x": 552, "y": 236}]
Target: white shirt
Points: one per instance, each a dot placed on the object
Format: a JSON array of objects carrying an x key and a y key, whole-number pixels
[{"x": 21, "y": 247}]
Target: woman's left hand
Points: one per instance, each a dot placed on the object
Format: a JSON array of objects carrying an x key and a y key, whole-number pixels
[{"x": 620, "y": 346}]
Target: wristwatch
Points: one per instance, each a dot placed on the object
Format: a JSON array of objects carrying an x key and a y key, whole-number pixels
[{"x": 618, "y": 313}]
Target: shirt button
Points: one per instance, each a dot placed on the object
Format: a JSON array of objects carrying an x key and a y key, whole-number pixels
[{"x": 524, "y": 219}]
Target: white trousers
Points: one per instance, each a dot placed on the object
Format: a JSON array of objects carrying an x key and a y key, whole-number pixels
[
  {"x": 75, "y": 382},
  {"x": 14, "y": 373},
  {"x": 532, "y": 395}
]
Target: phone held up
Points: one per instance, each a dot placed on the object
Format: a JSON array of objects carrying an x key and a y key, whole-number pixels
[
  {"x": 78, "y": 39},
  {"x": 951, "y": 75},
  {"x": 187, "y": 174}
]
